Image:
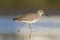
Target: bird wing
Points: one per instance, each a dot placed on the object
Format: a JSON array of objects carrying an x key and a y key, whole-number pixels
[{"x": 27, "y": 17}]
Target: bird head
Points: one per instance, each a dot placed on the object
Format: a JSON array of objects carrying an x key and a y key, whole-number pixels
[{"x": 41, "y": 12}]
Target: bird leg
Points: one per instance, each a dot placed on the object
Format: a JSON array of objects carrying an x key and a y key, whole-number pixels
[{"x": 30, "y": 32}]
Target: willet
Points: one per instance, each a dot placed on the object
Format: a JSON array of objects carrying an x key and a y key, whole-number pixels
[{"x": 30, "y": 18}]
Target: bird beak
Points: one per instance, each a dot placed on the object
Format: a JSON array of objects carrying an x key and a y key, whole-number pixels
[{"x": 46, "y": 15}]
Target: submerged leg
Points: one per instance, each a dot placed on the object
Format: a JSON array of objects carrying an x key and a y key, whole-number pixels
[{"x": 30, "y": 32}]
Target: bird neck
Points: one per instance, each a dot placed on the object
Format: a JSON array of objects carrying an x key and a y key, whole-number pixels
[{"x": 40, "y": 14}]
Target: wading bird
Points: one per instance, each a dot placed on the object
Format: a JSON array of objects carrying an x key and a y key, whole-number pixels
[{"x": 30, "y": 18}]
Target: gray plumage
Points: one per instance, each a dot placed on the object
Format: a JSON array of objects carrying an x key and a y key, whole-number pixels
[{"x": 30, "y": 18}]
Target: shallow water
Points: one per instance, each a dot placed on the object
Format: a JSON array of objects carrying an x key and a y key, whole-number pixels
[
  {"x": 43, "y": 35},
  {"x": 42, "y": 30}
]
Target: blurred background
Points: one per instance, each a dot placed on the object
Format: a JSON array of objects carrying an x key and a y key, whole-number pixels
[
  {"x": 48, "y": 25},
  {"x": 16, "y": 7}
]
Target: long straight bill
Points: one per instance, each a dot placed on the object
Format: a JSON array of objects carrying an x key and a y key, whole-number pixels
[{"x": 46, "y": 15}]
